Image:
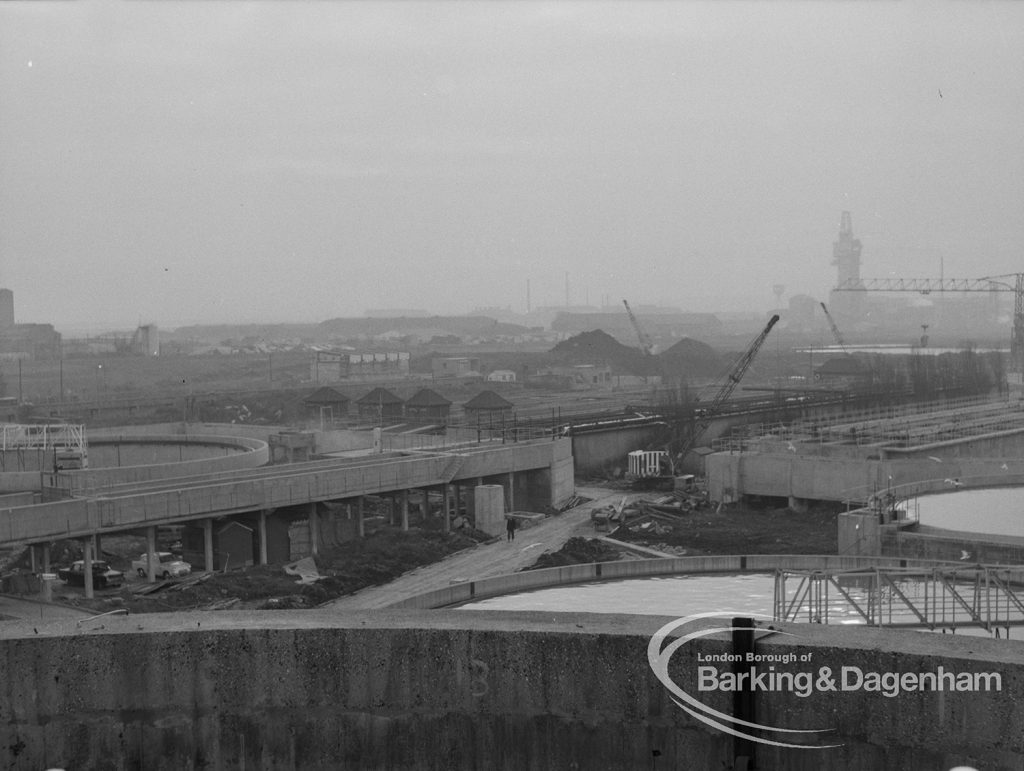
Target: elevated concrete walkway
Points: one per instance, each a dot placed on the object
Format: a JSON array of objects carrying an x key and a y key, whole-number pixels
[{"x": 135, "y": 505}]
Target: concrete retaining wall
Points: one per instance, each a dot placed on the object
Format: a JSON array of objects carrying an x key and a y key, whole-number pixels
[
  {"x": 731, "y": 475},
  {"x": 933, "y": 543},
  {"x": 459, "y": 690},
  {"x": 599, "y": 451}
]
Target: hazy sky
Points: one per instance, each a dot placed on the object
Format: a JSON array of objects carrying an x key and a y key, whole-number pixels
[{"x": 188, "y": 162}]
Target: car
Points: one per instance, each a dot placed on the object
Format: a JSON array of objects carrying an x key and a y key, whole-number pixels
[
  {"x": 165, "y": 563},
  {"x": 103, "y": 576}
]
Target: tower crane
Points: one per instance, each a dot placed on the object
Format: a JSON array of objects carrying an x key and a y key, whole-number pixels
[
  {"x": 835, "y": 330},
  {"x": 646, "y": 345},
  {"x": 998, "y": 283}
]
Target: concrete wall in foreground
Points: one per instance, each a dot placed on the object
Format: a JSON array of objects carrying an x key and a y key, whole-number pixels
[{"x": 468, "y": 690}]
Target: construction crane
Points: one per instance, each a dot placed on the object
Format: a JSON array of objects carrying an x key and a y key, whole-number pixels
[
  {"x": 929, "y": 285},
  {"x": 835, "y": 330},
  {"x": 706, "y": 414},
  {"x": 646, "y": 345}
]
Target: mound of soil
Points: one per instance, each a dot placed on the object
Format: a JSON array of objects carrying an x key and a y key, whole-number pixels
[
  {"x": 577, "y": 551},
  {"x": 690, "y": 358},
  {"x": 598, "y": 347}
]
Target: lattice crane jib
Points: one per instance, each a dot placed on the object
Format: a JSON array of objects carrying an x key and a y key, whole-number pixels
[
  {"x": 732, "y": 379},
  {"x": 646, "y": 344},
  {"x": 835, "y": 329},
  {"x": 998, "y": 283}
]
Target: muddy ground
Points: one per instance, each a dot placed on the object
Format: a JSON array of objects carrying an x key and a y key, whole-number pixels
[
  {"x": 743, "y": 530},
  {"x": 389, "y": 552},
  {"x": 376, "y": 559}
]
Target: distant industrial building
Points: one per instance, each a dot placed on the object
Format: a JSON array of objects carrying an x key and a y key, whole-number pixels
[
  {"x": 331, "y": 366},
  {"x": 846, "y": 250},
  {"x": 455, "y": 366},
  {"x": 618, "y": 325},
  {"x": 34, "y": 341},
  {"x": 145, "y": 341},
  {"x": 501, "y": 376}
]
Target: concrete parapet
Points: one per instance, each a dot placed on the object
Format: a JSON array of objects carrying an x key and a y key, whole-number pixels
[
  {"x": 460, "y": 690},
  {"x": 732, "y": 475},
  {"x": 933, "y": 543},
  {"x": 609, "y": 571}
]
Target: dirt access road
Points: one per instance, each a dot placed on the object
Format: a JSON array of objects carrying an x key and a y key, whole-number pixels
[{"x": 493, "y": 559}]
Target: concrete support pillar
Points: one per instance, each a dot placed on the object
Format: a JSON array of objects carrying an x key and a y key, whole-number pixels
[
  {"x": 391, "y": 511},
  {"x": 263, "y": 536},
  {"x": 426, "y": 505},
  {"x": 457, "y": 495},
  {"x": 799, "y": 505},
  {"x": 208, "y": 545},
  {"x": 405, "y": 509},
  {"x": 87, "y": 566},
  {"x": 32, "y": 559},
  {"x": 97, "y": 547},
  {"x": 511, "y": 491},
  {"x": 46, "y": 558},
  {"x": 151, "y": 550},
  {"x": 314, "y": 530},
  {"x": 446, "y": 523},
  {"x": 359, "y": 510}
]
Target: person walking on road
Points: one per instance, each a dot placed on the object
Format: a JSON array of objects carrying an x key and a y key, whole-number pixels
[{"x": 510, "y": 528}]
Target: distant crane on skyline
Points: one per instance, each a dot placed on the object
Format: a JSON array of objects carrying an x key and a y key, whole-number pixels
[
  {"x": 835, "y": 330},
  {"x": 646, "y": 344}
]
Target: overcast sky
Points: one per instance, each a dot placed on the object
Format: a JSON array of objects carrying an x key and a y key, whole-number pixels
[{"x": 177, "y": 163}]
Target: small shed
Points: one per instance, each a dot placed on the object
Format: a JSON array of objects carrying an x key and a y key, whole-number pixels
[
  {"x": 237, "y": 543},
  {"x": 326, "y": 404},
  {"x": 487, "y": 408},
  {"x": 379, "y": 404},
  {"x": 426, "y": 404}
]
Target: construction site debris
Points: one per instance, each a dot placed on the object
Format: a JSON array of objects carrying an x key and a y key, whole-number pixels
[
  {"x": 571, "y": 503},
  {"x": 305, "y": 569},
  {"x": 577, "y": 551}
]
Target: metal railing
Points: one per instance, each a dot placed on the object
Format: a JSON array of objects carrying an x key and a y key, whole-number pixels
[
  {"x": 42, "y": 437},
  {"x": 986, "y": 597}
]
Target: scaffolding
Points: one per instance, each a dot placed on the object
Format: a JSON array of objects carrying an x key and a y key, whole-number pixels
[{"x": 940, "y": 598}]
